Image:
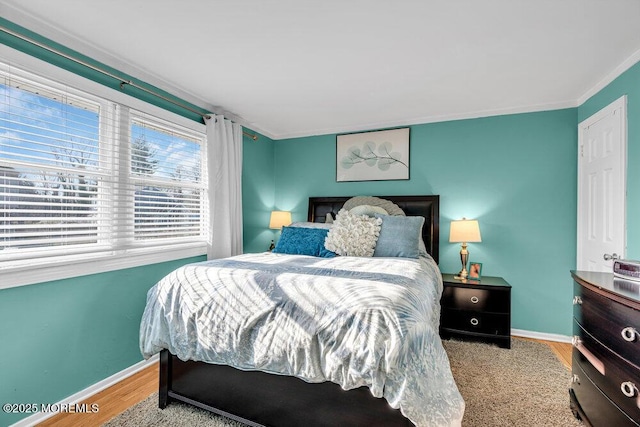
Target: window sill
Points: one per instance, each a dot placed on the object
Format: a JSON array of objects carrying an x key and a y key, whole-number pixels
[{"x": 39, "y": 271}]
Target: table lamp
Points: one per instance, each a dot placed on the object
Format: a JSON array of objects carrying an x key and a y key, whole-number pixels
[
  {"x": 464, "y": 231},
  {"x": 278, "y": 220}
]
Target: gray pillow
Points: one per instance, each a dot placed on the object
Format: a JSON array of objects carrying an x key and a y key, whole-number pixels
[
  {"x": 387, "y": 205},
  {"x": 399, "y": 236},
  {"x": 368, "y": 210}
]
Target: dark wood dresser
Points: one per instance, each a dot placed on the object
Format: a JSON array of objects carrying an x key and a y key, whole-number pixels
[
  {"x": 476, "y": 310},
  {"x": 606, "y": 350}
]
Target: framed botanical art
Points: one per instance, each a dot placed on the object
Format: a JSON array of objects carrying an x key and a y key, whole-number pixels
[{"x": 373, "y": 156}]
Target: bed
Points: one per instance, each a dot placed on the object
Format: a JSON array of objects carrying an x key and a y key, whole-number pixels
[{"x": 288, "y": 339}]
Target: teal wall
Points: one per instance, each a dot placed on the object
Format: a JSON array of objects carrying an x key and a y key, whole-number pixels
[
  {"x": 258, "y": 192},
  {"x": 627, "y": 84},
  {"x": 61, "y": 337},
  {"x": 516, "y": 174}
]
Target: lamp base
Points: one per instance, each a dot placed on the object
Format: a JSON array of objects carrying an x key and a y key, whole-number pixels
[
  {"x": 462, "y": 275},
  {"x": 464, "y": 257}
]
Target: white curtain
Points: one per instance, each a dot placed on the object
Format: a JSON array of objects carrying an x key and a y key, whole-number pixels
[{"x": 224, "y": 163}]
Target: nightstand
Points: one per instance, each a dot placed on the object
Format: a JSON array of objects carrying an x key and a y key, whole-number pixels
[{"x": 476, "y": 310}]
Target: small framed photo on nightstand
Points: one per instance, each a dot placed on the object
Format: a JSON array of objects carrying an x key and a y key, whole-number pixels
[{"x": 475, "y": 271}]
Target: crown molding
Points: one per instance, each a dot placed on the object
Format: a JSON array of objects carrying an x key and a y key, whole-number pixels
[
  {"x": 614, "y": 74},
  {"x": 432, "y": 119},
  {"x": 15, "y": 14}
]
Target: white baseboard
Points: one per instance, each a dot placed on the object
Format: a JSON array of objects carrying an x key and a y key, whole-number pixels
[
  {"x": 541, "y": 335},
  {"x": 88, "y": 392}
]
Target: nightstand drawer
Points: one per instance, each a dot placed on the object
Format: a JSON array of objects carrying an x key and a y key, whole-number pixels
[
  {"x": 471, "y": 321},
  {"x": 476, "y": 310},
  {"x": 474, "y": 299}
]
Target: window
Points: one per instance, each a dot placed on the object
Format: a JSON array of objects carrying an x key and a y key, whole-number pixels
[
  {"x": 81, "y": 175},
  {"x": 166, "y": 172},
  {"x": 50, "y": 169}
]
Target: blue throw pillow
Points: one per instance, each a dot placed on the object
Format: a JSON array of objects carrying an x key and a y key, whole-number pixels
[
  {"x": 303, "y": 241},
  {"x": 399, "y": 236}
]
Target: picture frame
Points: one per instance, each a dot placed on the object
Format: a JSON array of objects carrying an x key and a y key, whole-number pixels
[
  {"x": 373, "y": 156},
  {"x": 475, "y": 271}
]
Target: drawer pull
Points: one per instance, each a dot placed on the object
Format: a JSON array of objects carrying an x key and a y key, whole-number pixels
[
  {"x": 474, "y": 299},
  {"x": 577, "y": 300},
  {"x": 576, "y": 341},
  {"x": 629, "y": 389},
  {"x": 577, "y": 344},
  {"x": 474, "y": 321},
  {"x": 629, "y": 334},
  {"x": 575, "y": 379}
]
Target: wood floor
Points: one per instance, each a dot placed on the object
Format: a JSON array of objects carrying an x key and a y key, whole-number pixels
[
  {"x": 560, "y": 349},
  {"x": 112, "y": 401},
  {"x": 119, "y": 397}
]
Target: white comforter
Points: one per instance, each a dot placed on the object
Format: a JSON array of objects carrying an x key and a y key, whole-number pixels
[{"x": 353, "y": 321}]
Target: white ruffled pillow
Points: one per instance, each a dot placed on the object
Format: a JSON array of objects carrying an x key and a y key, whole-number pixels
[{"x": 353, "y": 235}]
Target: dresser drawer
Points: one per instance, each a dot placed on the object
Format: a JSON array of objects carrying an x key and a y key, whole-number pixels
[
  {"x": 598, "y": 408},
  {"x": 471, "y": 321},
  {"x": 611, "y": 374},
  {"x": 613, "y": 324},
  {"x": 474, "y": 299}
]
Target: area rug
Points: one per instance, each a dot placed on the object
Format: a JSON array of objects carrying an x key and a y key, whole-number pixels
[{"x": 524, "y": 386}]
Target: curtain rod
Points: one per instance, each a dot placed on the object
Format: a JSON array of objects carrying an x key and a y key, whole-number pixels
[{"x": 109, "y": 74}]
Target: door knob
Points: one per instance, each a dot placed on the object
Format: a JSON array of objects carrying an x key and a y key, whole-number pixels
[{"x": 607, "y": 257}]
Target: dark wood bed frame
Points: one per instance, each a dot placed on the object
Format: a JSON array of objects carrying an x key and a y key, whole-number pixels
[{"x": 260, "y": 399}]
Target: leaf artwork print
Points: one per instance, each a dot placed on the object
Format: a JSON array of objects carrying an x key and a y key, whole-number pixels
[
  {"x": 373, "y": 156},
  {"x": 383, "y": 156}
]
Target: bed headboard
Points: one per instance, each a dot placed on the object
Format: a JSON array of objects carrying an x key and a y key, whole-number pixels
[{"x": 425, "y": 206}]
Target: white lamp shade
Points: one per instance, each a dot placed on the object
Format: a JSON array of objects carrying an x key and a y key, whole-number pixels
[
  {"x": 279, "y": 219},
  {"x": 464, "y": 231}
]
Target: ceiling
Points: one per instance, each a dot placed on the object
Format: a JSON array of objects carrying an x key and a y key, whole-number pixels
[{"x": 290, "y": 68}]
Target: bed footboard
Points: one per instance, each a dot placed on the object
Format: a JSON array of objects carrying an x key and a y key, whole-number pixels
[{"x": 257, "y": 398}]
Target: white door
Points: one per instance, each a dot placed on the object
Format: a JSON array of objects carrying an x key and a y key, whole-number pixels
[{"x": 602, "y": 153}]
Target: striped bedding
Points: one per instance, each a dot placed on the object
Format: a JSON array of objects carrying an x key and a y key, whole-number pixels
[{"x": 351, "y": 320}]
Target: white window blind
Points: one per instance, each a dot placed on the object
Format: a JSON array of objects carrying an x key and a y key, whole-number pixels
[
  {"x": 75, "y": 179},
  {"x": 166, "y": 165},
  {"x": 51, "y": 168}
]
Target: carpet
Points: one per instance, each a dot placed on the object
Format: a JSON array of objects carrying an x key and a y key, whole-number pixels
[{"x": 524, "y": 386}]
